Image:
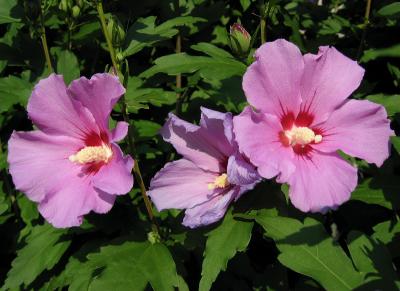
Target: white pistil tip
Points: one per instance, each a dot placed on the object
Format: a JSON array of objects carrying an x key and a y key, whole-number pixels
[{"x": 318, "y": 138}]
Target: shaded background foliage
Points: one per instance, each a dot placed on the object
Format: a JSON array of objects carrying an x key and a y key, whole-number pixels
[{"x": 177, "y": 57}]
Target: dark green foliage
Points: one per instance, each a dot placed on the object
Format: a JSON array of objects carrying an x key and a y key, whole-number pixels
[{"x": 263, "y": 243}]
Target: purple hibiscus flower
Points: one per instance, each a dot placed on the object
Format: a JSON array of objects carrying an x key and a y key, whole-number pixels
[
  {"x": 303, "y": 118},
  {"x": 71, "y": 165},
  {"x": 211, "y": 174}
]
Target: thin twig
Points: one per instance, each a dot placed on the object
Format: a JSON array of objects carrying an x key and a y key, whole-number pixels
[
  {"x": 44, "y": 41},
  {"x": 178, "y": 49},
  {"x": 365, "y": 26},
  {"x": 136, "y": 168}
]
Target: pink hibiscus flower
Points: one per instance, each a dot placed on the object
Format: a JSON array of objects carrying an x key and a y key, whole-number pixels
[
  {"x": 303, "y": 118},
  {"x": 211, "y": 174},
  {"x": 71, "y": 165}
]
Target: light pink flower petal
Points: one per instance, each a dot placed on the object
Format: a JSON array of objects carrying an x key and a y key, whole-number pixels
[
  {"x": 115, "y": 177},
  {"x": 54, "y": 112},
  {"x": 329, "y": 78},
  {"x": 99, "y": 95},
  {"x": 66, "y": 206},
  {"x": 181, "y": 184},
  {"x": 272, "y": 82},
  {"x": 258, "y": 137},
  {"x": 192, "y": 142},
  {"x": 240, "y": 172},
  {"x": 219, "y": 127},
  {"x": 360, "y": 129},
  {"x": 38, "y": 162},
  {"x": 322, "y": 182},
  {"x": 210, "y": 211},
  {"x": 120, "y": 131}
]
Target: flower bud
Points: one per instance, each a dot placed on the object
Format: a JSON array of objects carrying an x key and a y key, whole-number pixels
[
  {"x": 239, "y": 40},
  {"x": 65, "y": 5},
  {"x": 76, "y": 11},
  {"x": 115, "y": 31}
]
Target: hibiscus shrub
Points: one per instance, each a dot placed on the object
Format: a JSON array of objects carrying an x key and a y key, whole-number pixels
[{"x": 199, "y": 145}]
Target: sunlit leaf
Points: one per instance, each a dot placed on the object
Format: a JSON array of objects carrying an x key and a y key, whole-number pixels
[{"x": 223, "y": 243}]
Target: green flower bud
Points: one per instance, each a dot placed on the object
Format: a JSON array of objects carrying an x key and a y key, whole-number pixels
[
  {"x": 239, "y": 40},
  {"x": 65, "y": 5},
  {"x": 76, "y": 11},
  {"x": 116, "y": 31}
]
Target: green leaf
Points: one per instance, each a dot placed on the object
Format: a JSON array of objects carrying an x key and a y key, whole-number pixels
[
  {"x": 373, "y": 261},
  {"x": 386, "y": 231},
  {"x": 9, "y": 11},
  {"x": 380, "y": 190},
  {"x": 68, "y": 66},
  {"x": 390, "y": 102},
  {"x": 28, "y": 209},
  {"x": 218, "y": 65},
  {"x": 372, "y": 54},
  {"x": 13, "y": 90},
  {"x": 223, "y": 243},
  {"x": 396, "y": 143},
  {"x": 44, "y": 247},
  {"x": 139, "y": 98},
  {"x": 146, "y": 129},
  {"x": 391, "y": 10},
  {"x": 144, "y": 32},
  {"x": 129, "y": 266},
  {"x": 307, "y": 249}
]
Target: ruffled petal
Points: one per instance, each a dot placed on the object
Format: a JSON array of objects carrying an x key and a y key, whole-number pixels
[
  {"x": 272, "y": 82},
  {"x": 120, "y": 131},
  {"x": 240, "y": 172},
  {"x": 219, "y": 127},
  {"x": 181, "y": 184},
  {"x": 115, "y": 177},
  {"x": 210, "y": 211},
  {"x": 257, "y": 135},
  {"x": 99, "y": 95},
  {"x": 360, "y": 129},
  {"x": 321, "y": 182},
  {"x": 193, "y": 142},
  {"x": 75, "y": 197},
  {"x": 38, "y": 162},
  {"x": 329, "y": 78},
  {"x": 53, "y": 111}
]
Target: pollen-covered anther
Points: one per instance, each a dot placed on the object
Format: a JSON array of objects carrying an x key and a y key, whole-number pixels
[
  {"x": 302, "y": 135},
  {"x": 92, "y": 154},
  {"x": 219, "y": 182}
]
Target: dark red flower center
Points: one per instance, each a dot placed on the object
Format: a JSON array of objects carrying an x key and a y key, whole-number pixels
[{"x": 298, "y": 133}]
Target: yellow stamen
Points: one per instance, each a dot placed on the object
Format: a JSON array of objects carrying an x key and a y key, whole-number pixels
[
  {"x": 219, "y": 182},
  {"x": 91, "y": 154},
  {"x": 302, "y": 135}
]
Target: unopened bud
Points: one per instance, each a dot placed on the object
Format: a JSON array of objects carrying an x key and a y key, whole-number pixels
[
  {"x": 65, "y": 5},
  {"x": 76, "y": 11},
  {"x": 116, "y": 31},
  {"x": 239, "y": 40}
]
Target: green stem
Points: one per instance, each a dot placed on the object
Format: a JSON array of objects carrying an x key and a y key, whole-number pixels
[
  {"x": 178, "y": 49},
  {"x": 44, "y": 42},
  {"x": 263, "y": 25},
  {"x": 107, "y": 36},
  {"x": 136, "y": 168},
  {"x": 365, "y": 26}
]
